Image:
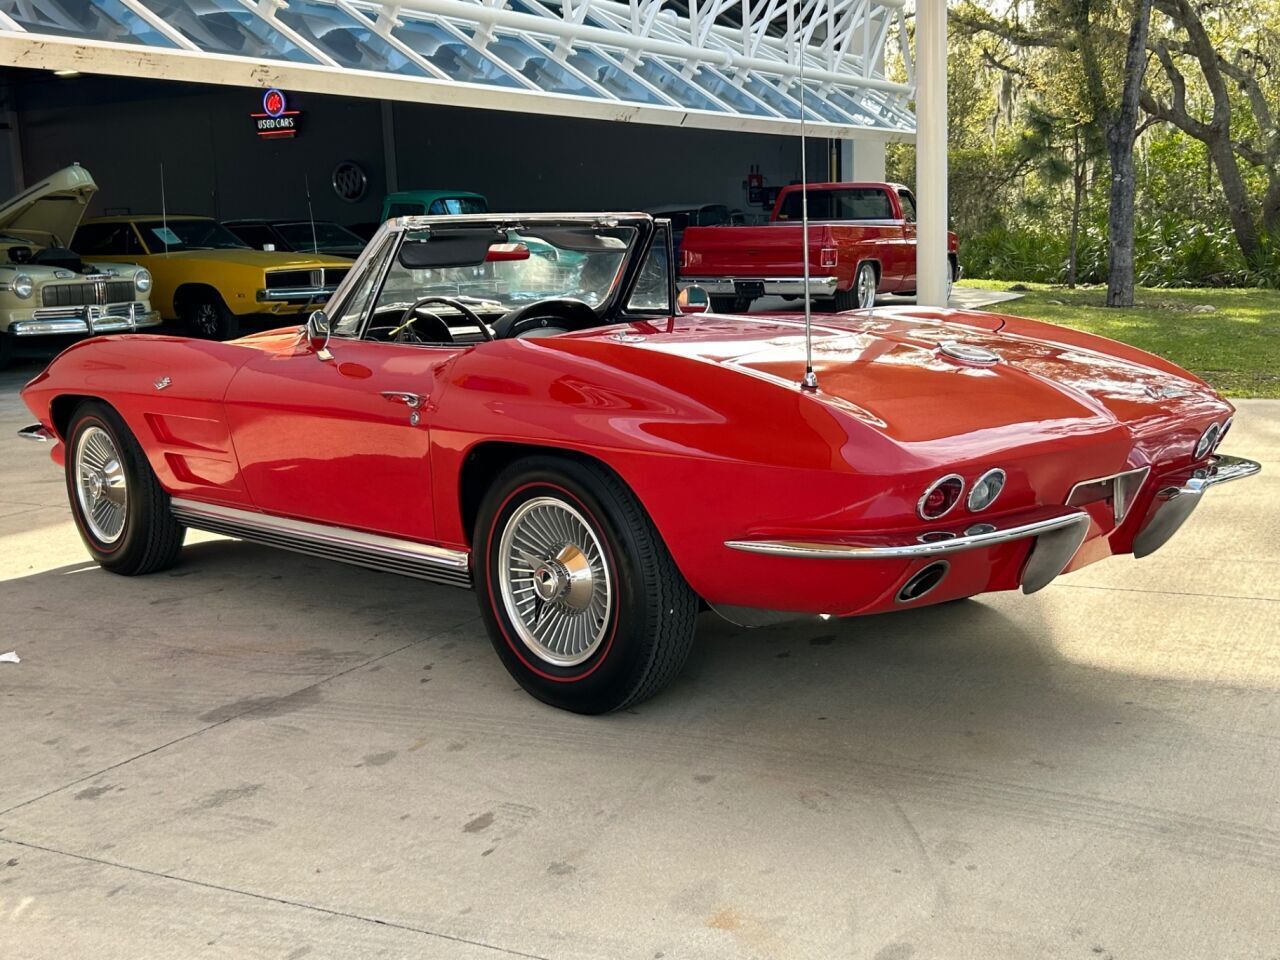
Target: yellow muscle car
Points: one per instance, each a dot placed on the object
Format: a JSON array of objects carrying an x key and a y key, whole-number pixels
[{"x": 204, "y": 276}]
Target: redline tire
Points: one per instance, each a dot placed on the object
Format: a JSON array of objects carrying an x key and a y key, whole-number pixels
[
  {"x": 149, "y": 538},
  {"x": 648, "y": 625}
]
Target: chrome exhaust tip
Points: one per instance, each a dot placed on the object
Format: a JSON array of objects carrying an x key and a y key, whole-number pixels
[{"x": 923, "y": 581}]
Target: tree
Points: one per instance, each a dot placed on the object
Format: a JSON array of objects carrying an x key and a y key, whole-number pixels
[
  {"x": 1248, "y": 71},
  {"x": 1087, "y": 32},
  {"x": 1122, "y": 134}
]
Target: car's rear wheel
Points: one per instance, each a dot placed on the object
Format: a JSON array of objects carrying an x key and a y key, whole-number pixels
[
  {"x": 207, "y": 317},
  {"x": 583, "y": 602},
  {"x": 731, "y": 304},
  {"x": 120, "y": 508}
]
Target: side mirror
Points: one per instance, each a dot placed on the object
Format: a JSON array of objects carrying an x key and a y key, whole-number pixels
[
  {"x": 693, "y": 300},
  {"x": 317, "y": 332}
]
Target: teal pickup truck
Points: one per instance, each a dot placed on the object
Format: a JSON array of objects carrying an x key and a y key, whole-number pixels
[
  {"x": 418, "y": 203},
  {"x": 431, "y": 203}
]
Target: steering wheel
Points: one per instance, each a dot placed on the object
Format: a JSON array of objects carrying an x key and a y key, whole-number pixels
[
  {"x": 408, "y": 317},
  {"x": 563, "y": 314}
]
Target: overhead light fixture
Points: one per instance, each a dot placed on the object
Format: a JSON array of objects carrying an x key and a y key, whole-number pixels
[{"x": 66, "y": 73}]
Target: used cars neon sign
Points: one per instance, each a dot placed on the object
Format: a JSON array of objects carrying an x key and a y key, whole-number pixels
[{"x": 276, "y": 121}]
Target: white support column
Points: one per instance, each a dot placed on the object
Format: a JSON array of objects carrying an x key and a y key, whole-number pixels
[{"x": 931, "y": 152}]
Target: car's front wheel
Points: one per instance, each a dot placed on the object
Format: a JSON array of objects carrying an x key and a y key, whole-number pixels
[
  {"x": 120, "y": 508},
  {"x": 583, "y": 602}
]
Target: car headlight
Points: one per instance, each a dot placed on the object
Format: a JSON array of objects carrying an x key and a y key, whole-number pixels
[
  {"x": 142, "y": 280},
  {"x": 22, "y": 285}
]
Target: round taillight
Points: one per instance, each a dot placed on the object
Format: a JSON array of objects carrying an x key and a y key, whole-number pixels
[
  {"x": 940, "y": 497},
  {"x": 1207, "y": 441},
  {"x": 985, "y": 490}
]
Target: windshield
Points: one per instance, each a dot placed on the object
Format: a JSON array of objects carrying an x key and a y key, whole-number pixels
[
  {"x": 575, "y": 261},
  {"x": 188, "y": 235},
  {"x": 328, "y": 236}
]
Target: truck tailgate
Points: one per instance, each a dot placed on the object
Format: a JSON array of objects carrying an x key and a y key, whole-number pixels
[{"x": 765, "y": 251}]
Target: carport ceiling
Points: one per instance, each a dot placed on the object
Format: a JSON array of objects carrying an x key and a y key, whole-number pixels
[{"x": 724, "y": 64}]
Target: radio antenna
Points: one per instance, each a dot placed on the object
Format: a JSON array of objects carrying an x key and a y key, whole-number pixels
[
  {"x": 810, "y": 381},
  {"x": 164, "y": 212},
  {"x": 315, "y": 246}
]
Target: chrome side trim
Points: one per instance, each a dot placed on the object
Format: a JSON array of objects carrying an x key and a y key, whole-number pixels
[
  {"x": 388, "y": 554},
  {"x": 1078, "y": 521},
  {"x": 36, "y": 432}
]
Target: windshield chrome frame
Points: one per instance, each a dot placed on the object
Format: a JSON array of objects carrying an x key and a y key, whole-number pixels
[{"x": 609, "y": 310}]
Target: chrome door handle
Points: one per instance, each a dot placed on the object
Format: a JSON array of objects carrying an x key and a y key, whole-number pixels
[{"x": 411, "y": 400}]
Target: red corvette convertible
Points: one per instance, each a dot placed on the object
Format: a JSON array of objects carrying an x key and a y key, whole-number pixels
[{"x": 523, "y": 405}]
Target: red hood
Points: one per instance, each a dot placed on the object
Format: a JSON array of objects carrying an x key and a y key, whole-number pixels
[{"x": 887, "y": 369}]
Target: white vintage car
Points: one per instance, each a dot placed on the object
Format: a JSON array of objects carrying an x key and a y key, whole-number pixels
[{"x": 46, "y": 290}]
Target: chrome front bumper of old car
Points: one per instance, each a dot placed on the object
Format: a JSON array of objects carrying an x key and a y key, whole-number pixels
[
  {"x": 1057, "y": 531},
  {"x": 766, "y": 286},
  {"x": 92, "y": 320},
  {"x": 1174, "y": 504}
]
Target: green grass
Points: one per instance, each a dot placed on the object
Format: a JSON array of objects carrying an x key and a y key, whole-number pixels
[{"x": 1236, "y": 347}]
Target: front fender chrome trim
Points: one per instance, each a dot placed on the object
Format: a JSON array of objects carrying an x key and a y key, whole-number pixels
[
  {"x": 915, "y": 550},
  {"x": 388, "y": 554}
]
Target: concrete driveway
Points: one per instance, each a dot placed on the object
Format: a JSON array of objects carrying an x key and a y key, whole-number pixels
[{"x": 260, "y": 755}]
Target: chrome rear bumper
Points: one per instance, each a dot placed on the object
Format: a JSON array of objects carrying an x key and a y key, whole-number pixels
[
  {"x": 773, "y": 286},
  {"x": 36, "y": 432},
  {"x": 1057, "y": 536},
  {"x": 1175, "y": 504}
]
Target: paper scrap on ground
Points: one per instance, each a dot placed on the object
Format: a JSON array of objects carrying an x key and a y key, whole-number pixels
[{"x": 10, "y": 657}]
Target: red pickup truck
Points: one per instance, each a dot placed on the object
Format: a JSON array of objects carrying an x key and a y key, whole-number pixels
[{"x": 862, "y": 241}]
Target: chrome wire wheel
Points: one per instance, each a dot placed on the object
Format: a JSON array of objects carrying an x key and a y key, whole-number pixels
[
  {"x": 866, "y": 287},
  {"x": 555, "y": 582},
  {"x": 101, "y": 489}
]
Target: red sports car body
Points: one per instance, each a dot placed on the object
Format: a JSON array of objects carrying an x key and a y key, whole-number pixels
[{"x": 596, "y": 461}]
